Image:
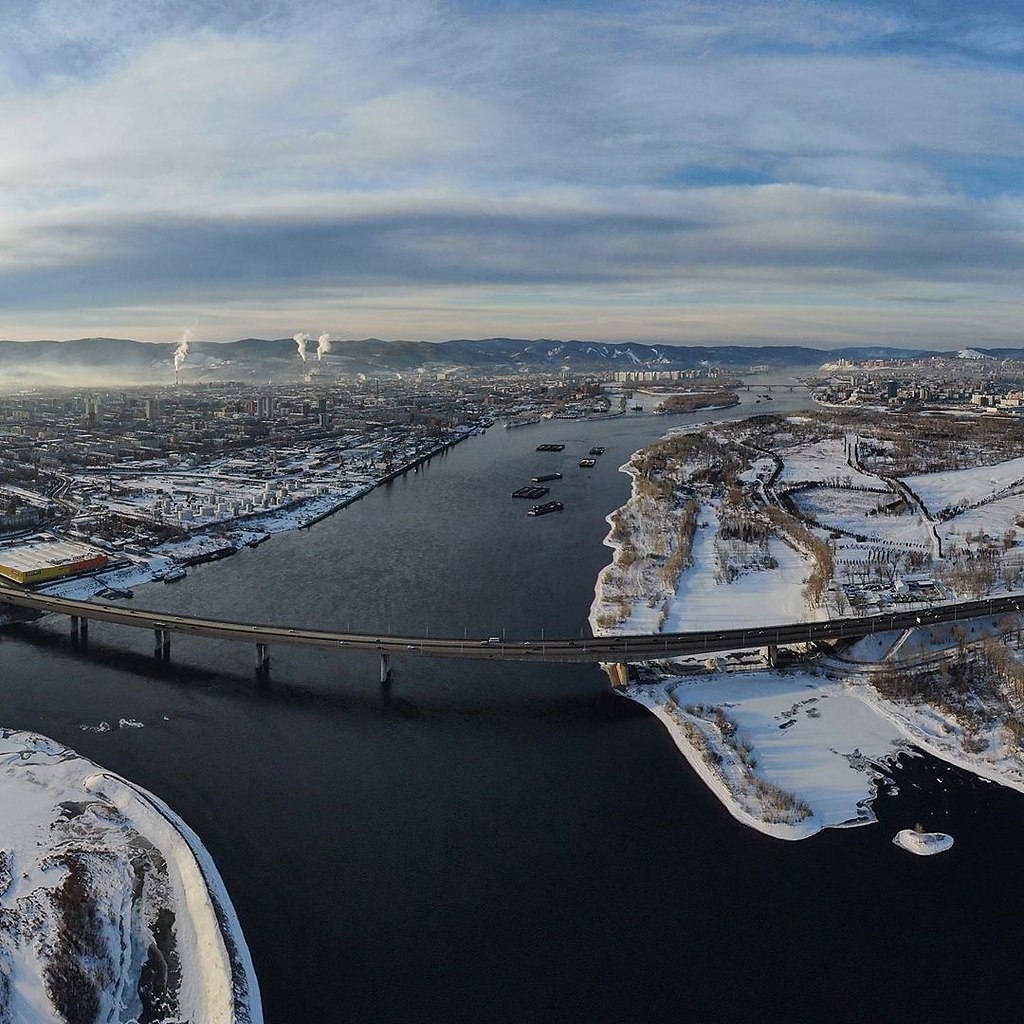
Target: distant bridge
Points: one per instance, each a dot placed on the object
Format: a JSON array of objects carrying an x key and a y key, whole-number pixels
[
  {"x": 748, "y": 386},
  {"x": 617, "y": 651}
]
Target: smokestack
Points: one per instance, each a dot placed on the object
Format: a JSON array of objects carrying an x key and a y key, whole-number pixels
[
  {"x": 301, "y": 340},
  {"x": 181, "y": 352},
  {"x": 323, "y": 346}
]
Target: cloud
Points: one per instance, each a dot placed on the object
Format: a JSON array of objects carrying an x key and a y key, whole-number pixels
[{"x": 177, "y": 154}]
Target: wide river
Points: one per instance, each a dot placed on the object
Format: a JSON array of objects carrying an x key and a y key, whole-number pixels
[{"x": 485, "y": 842}]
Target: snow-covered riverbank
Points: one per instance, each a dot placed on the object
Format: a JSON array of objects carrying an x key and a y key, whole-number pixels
[
  {"x": 112, "y": 908},
  {"x": 790, "y": 753},
  {"x": 787, "y": 753},
  {"x": 205, "y": 543}
]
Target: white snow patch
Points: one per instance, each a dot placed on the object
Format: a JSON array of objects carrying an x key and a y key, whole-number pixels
[
  {"x": 819, "y": 740},
  {"x": 757, "y": 598},
  {"x": 55, "y": 805},
  {"x": 924, "y": 844},
  {"x": 966, "y": 486}
]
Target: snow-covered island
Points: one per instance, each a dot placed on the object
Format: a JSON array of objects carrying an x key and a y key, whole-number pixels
[
  {"x": 924, "y": 844},
  {"x": 775, "y": 520},
  {"x": 110, "y": 907}
]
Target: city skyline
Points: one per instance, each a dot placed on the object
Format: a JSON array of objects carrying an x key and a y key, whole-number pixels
[{"x": 723, "y": 173}]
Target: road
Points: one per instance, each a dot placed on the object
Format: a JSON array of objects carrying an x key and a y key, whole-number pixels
[{"x": 622, "y": 649}]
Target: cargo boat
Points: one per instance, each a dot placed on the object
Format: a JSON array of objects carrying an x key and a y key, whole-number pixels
[
  {"x": 207, "y": 556},
  {"x": 543, "y": 510},
  {"x": 544, "y": 478},
  {"x": 530, "y": 492}
]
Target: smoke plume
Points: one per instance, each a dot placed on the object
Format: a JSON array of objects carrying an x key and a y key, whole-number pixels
[
  {"x": 302, "y": 340},
  {"x": 182, "y": 350},
  {"x": 323, "y": 346}
]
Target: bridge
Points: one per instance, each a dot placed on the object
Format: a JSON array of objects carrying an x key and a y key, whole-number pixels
[
  {"x": 616, "y": 651},
  {"x": 754, "y": 386}
]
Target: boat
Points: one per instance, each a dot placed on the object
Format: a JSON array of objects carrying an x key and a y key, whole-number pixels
[
  {"x": 530, "y": 492},
  {"x": 550, "y": 447},
  {"x": 175, "y": 574},
  {"x": 208, "y": 556},
  {"x": 588, "y": 463},
  {"x": 597, "y": 450},
  {"x": 543, "y": 510},
  {"x": 545, "y": 477}
]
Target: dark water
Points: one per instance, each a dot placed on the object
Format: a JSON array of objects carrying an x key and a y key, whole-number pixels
[{"x": 508, "y": 842}]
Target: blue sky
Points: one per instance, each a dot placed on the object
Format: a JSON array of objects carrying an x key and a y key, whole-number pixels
[{"x": 785, "y": 172}]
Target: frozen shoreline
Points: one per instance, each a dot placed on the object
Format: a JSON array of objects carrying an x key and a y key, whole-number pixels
[
  {"x": 766, "y": 740},
  {"x": 153, "y": 887}
]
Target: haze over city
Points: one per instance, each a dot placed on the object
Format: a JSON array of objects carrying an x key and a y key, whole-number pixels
[{"x": 794, "y": 172}]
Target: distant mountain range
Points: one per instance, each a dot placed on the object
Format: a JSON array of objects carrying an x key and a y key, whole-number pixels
[{"x": 92, "y": 361}]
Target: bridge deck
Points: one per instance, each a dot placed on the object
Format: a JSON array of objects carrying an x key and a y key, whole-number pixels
[{"x": 631, "y": 648}]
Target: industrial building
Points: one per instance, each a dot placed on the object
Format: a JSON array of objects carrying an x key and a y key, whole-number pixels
[{"x": 42, "y": 561}]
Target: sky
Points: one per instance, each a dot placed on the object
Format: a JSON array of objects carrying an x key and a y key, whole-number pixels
[{"x": 721, "y": 172}]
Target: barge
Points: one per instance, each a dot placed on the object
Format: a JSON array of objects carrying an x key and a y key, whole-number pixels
[
  {"x": 224, "y": 551},
  {"x": 530, "y": 492},
  {"x": 588, "y": 463},
  {"x": 551, "y": 447},
  {"x": 544, "y": 478},
  {"x": 543, "y": 510}
]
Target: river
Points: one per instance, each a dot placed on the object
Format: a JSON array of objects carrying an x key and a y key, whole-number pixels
[{"x": 508, "y": 842}]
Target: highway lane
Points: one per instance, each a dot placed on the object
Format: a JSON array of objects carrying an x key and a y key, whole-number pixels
[{"x": 630, "y": 648}]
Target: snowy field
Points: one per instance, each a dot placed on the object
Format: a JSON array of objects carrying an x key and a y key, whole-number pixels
[
  {"x": 821, "y": 462},
  {"x": 994, "y": 518},
  {"x": 966, "y": 486},
  {"x": 827, "y": 742},
  {"x": 763, "y": 597},
  {"x": 836, "y": 508},
  {"x": 816, "y": 739},
  {"x": 72, "y": 834}
]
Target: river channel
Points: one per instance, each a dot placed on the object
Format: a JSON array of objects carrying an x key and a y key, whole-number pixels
[{"x": 485, "y": 842}]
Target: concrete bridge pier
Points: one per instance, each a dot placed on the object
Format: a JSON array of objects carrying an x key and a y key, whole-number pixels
[
  {"x": 262, "y": 658},
  {"x": 385, "y": 668},
  {"x": 83, "y": 632},
  {"x": 618, "y": 673},
  {"x": 771, "y": 655},
  {"x": 76, "y": 623},
  {"x": 162, "y": 644}
]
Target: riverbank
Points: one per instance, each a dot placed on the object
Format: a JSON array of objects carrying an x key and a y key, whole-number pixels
[
  {"x": 772, "y": 754},
  {"x": 114, "y": 908},
  {"x": 230, "y": 536}
]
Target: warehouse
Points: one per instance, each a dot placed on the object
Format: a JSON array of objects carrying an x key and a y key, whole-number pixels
[{"x": 43, "y": 561}]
